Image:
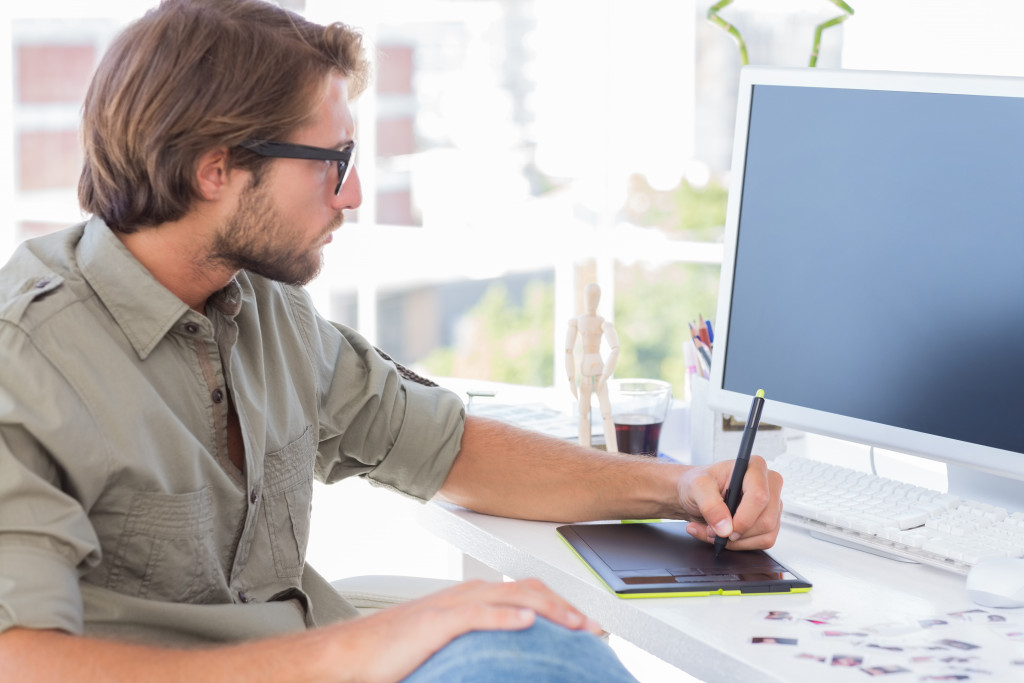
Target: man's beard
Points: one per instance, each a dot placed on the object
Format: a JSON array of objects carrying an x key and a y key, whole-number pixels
[{"x": 257, "y": 240}]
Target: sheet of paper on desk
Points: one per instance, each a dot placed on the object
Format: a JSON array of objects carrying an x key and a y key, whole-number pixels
[{"x": 971, "y": 645}]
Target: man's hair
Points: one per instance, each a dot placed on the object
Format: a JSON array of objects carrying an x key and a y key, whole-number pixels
[{"x": 192, "y": 76}]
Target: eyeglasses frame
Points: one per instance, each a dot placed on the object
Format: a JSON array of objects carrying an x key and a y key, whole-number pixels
[{"x": 291, "y": 150}]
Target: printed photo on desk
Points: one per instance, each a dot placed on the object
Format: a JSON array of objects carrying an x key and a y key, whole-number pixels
[{"x": 970, "y": 645}]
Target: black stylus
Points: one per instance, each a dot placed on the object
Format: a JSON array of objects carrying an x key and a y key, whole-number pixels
[{"x": 739, "y": 470}]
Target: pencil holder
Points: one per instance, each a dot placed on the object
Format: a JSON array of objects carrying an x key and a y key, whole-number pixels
[{"x": 715, "y": 437}]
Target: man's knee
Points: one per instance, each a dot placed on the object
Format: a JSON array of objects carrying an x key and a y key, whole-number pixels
[{"x": 543, "y": 653}]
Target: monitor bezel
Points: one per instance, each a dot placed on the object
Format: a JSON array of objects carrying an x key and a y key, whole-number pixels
[{"x": 975, "y": 456}]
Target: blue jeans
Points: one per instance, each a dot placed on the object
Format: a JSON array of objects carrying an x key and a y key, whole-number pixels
[{"x": 543, "y": 653}]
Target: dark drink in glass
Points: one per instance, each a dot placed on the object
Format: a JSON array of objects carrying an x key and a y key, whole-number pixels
[{"x": 637, "y": 434}]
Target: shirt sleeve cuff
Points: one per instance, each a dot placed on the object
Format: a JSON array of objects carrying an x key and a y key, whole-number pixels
[
  {"x": 39, "y": 590},
  {"x": 432, "y": 416}
]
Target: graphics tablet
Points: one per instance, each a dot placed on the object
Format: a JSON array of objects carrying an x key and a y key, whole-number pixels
[{"x": 659, "y": 559}]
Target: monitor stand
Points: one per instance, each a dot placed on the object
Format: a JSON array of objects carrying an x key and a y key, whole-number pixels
[{"x": 972, "y": 484}]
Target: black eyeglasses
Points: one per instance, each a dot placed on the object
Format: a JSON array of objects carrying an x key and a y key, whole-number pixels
[{"x": 288, "y": 150}]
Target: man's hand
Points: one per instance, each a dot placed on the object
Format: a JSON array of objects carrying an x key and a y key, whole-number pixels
[
  {"x": 422, "y": 627},
  {"x": 756, "y": 523}
]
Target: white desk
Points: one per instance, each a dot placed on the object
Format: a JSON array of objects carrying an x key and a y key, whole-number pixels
[{"x": 710, "y": 637}]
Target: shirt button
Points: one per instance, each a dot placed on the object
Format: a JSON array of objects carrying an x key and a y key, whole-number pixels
[
  {"x": 243, "y": 596},
  {"x": 191, "y": 328},
  {"x": 217, "y": 395},
  {"x": 42, "y": 283},
  {"x": 253, "y": 496}
]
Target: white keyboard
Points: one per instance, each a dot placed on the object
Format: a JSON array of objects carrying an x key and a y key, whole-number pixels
[{"x": 895, "y": 519}]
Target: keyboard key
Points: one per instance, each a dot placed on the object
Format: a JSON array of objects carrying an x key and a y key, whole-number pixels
[{"x": 910, "y": 519}]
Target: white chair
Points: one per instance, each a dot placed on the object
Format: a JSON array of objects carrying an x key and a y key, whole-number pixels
[{"x": 375, "y": 592}]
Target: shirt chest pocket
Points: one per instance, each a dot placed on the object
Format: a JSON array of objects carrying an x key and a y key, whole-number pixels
[
  {"x": 287, "y": 502},
  {"x": 167, "y": 549}
]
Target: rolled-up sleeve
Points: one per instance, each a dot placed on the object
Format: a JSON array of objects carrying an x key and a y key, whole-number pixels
[
  {"x": 45, "y": 534},
  {"x": 428, "y": 441},
  {"x": 38, "y": 590},
  {"x": 375, "y": 423}
]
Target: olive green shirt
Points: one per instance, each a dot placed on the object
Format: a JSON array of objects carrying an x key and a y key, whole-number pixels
[{"x": 120, "y": 512}]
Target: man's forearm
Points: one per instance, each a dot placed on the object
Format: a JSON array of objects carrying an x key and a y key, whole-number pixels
[
  {"x": 502, "y": 470},
  {"x": 36, "y": 655}
]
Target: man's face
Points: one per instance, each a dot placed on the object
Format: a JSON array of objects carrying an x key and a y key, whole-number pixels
[{"x": 285, "y": 217}]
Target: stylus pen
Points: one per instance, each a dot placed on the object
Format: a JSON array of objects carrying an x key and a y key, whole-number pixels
[{"x": 739, "y": 470}]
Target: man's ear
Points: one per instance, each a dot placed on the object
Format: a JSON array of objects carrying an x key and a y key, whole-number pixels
[{"x": 212, "y": 173}]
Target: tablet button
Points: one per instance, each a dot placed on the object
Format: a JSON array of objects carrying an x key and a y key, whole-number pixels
[
  {"x": 685, "y": 571},
  {"x": 699, "y": 579},
  {"x": 720, "y": 571},
  {"x": 643, "y": 572},
  {"x": 640, "y": 579}
]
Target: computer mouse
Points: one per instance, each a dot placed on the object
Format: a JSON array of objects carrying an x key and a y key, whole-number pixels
[{"x": 997, "y": 582}]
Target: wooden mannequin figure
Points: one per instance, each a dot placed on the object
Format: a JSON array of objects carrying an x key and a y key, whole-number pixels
[{"x": 594, "y": 371}]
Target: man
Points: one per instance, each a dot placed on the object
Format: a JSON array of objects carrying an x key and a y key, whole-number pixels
[{"x": 168, "y": 393}]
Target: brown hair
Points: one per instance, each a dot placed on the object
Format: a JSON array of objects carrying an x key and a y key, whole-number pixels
[{"x": 196, "y": 75}]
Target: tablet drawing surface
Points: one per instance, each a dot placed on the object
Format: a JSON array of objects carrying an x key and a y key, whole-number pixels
[{"x": 659, "y": 559}]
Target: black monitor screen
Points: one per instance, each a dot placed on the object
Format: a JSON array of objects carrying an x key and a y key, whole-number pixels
[{"x": 879, "y": 270}]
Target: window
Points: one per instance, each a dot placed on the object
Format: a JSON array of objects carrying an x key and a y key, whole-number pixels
[
  {"x": 511, "y": 151},
  {"x": 501, "y": 175}
]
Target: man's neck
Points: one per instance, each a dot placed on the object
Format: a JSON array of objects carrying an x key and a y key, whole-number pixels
[{"x": 175, "y": 254}]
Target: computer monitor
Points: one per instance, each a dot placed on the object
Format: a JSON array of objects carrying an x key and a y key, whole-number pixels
[{"x": 873, "y": 270}]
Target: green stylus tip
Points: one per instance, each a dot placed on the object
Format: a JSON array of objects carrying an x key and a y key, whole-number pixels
[{"x": 760, "y": 393}]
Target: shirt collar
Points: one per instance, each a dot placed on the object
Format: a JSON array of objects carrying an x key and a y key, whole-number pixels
[
  {"x": 143, "y": 308},
  {"x": 227, "y": 301}
]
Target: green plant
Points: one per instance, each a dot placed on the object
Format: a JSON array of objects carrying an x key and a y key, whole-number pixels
[{"x": 714, "y": 18}]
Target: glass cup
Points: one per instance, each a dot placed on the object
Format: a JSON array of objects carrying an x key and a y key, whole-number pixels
[{"x": 639, "y": 407}]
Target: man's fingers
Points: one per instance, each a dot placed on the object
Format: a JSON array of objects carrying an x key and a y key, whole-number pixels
[
  {"x": 538, "y": 597},
  {"x": 529, "y": 594},
  {"x": 756, "y": 523},
  {"x": 757, "y": 511},
  {"x": 483, "y": 616},
  {"x": 704, "y": 493}
]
